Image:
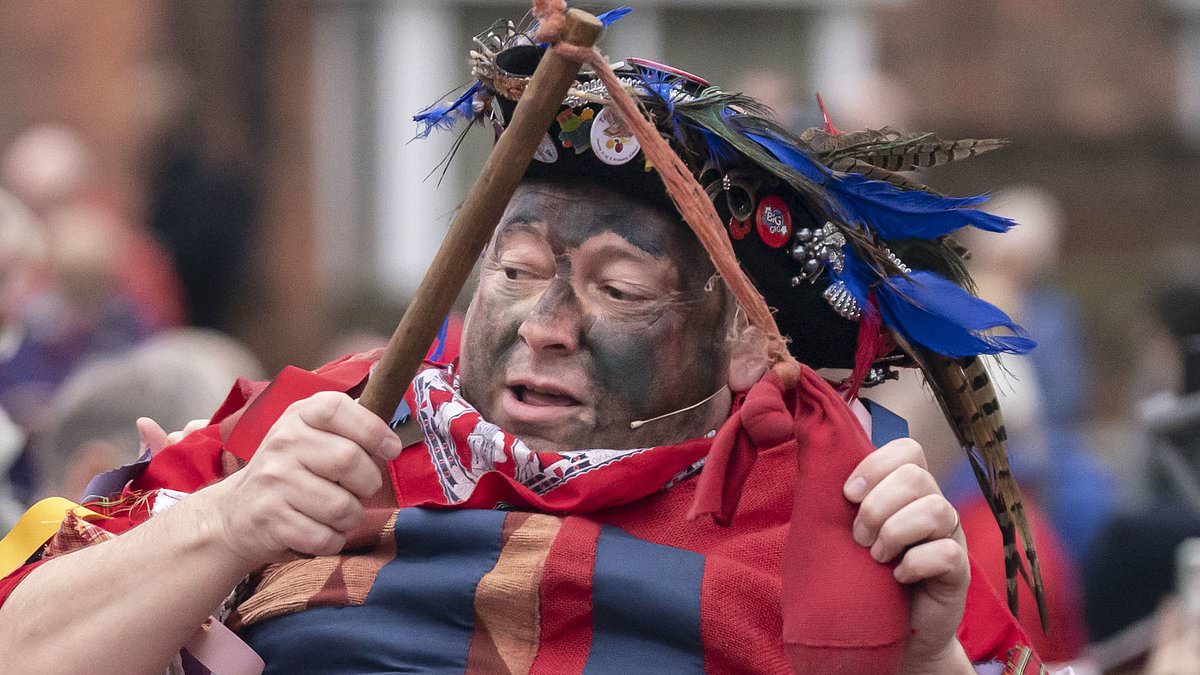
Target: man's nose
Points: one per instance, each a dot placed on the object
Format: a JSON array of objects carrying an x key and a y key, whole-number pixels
[{"x": 556, "y": 320}]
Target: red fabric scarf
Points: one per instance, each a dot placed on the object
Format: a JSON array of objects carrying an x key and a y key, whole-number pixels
[
  {"x": 843, "y": 612},
  {"x": 467, "y": 462}
]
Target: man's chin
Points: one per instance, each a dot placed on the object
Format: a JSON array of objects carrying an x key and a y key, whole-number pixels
[
  {"x": 540, "y": 444},
  {"x": 546, "y": 437}
]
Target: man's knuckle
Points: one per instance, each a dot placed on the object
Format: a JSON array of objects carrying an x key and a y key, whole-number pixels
[
  {"x": 912, "y": 449},
  {"x": 270, "y": 476},
  {"x": 948, "y": 552},
  {"x": 360, "y": 486},
  {"x": 372, "y": 482},
  {"x": 297, "y": 409},
  {"x": 871, "y": 516},
  {"x": 889, "y": 534},
  {"x": 324, "y": 407},
  {"x": 281, "y": 438},
  {"x": 346, "y": 508},
  {"x": 343, "y": 457},
  {"x": 327, "y": 542},
  {"x": 945, "y": 510},
  {"x": 912, "y": 474},
  {"x": 873, "y": 463},
  {"x": 260, "y": 518},
  {"x": 904, "y": 448},
  {"x": 960, "y": 553}
]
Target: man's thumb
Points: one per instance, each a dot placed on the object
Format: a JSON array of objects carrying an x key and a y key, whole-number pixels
[{"x": 151, "y": 435}]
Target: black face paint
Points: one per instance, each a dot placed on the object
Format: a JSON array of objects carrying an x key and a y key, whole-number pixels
[{"x": 592, "y": 312}]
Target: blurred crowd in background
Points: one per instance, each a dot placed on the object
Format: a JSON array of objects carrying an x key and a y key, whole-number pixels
[{"x": 193, "y": 191}]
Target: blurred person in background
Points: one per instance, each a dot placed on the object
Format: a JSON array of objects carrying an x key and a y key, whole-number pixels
[
  {"x": 777, "y": 91},
  {"x": 47, "y": 165},
  {"x": 53, "y": 169},
  {"x": 12, "y": 445},
  {"x": 1168, "y": 375},
  {"x": 21, "y": 250},
  {"x": 101, "y": 286},
  {"x": 876, "y": 100},
  {"x": 68, "y": 308},
  {"x": 1133, "y": 566},
  {"x": 173, "y": 378}
]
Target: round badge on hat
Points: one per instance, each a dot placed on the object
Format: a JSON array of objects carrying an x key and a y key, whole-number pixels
[
  {"x": 612, "y": 141},
  {"x": 738, "y": 229},
  {"x": 547, "y": 151},
  {"x": 773, "y": 221}
]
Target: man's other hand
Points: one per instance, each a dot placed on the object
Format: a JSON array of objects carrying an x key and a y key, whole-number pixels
[
  {"x": 303, "y": 489},
  {"x": 155, "y": 438},
  {"x": 903, "y": 517}
]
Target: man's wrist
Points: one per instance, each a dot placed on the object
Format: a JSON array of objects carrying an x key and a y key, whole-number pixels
[{"x": 203, "y": 509}]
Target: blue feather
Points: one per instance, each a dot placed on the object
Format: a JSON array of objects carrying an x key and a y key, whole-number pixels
[
  {"x": 942, "y": 316},
  {"x": 439, "y": 342},
  {"x": 892, "y": 212},
  {"x": 613, "y": 15},
  {"x": 911, "y": 214},
  {"x": 660, "y": 85},
  {"x": 856, "y": 275},
  {"x": 794, "y": 158},
  {"x": 446, "y": 116},
  {"x": 934, "y": 312},
  {"x": 718, "y": 148}
]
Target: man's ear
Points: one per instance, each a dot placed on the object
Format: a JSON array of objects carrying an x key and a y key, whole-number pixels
[{"x": 747, "y": 358}]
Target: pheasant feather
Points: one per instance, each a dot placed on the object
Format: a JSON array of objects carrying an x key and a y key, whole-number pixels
[{"x": 967, "y": 398}]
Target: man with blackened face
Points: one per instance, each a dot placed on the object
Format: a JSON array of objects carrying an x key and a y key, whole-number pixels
[
  {"x": 533, "y": 504},
  {"x": 595, "y": 311}
]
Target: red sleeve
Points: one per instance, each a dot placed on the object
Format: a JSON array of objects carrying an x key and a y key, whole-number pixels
[
  {"x": 7, "y": 584},
  {"x": 238, "y": 426}
]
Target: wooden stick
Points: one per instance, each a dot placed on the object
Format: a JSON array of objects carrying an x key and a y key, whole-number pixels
[{"x": 476, "y": 220}]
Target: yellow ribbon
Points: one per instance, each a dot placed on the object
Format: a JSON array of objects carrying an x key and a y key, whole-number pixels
[{"x": 34, "y": 528}]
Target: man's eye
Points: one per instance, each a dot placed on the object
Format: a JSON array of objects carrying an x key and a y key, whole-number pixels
[
  {"x": 518, "y": 273},
  {"x": 616, "y": 293},
  {"x": 623, "y": 294}
]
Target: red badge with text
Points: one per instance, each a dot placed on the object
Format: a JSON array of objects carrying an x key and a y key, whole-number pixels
[{"x": 774, "y": 221}]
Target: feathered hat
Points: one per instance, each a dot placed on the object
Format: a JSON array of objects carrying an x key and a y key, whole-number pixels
[{"x": 855, "y": 258}]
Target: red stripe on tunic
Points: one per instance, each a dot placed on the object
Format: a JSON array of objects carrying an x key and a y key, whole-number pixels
[{"x": 566, "y": 599}]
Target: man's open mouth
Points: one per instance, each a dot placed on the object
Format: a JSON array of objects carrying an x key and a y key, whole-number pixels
[{"x": 533, "y": 396}]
